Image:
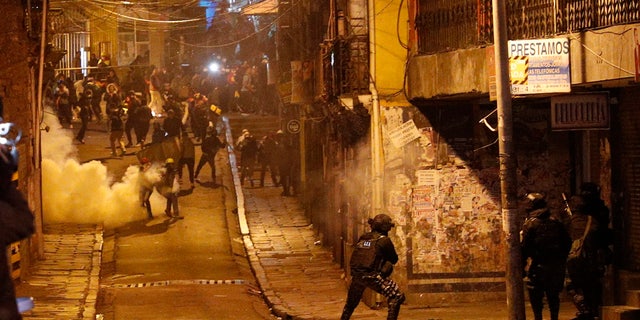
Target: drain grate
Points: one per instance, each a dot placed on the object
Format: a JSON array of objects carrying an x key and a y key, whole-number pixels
[{"x": 176, "y": 282}]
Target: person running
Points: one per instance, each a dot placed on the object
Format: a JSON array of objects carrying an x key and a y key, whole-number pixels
[{"x": 210, "y": 146}]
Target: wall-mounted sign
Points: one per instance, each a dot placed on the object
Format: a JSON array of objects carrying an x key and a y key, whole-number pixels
[
  {"x": 580, "y": 112},
  {"x": 539, "y": 66},
  {"x": 293, "y": 126},
  {"x": 404, "y": 134}
]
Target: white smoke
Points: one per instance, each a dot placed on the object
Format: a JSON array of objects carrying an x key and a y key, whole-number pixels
[{"x": 74, "y": 192}]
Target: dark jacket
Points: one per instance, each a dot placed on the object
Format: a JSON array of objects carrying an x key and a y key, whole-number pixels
[
  {"x": 173, "y": 126},
  {"x": 211, "y": 145},
  {"x": 598, "y": 238},
  {"x": 544, "y": 239},
  {"x": 16, "y": 223},
  {"x": 385, "y": 251}
]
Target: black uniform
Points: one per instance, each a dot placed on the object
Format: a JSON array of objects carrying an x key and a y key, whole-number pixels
[
  {"x": 374, "y": 272},
  {"x": 546, "y": 242},
  {"x": 16, "y": 223}
]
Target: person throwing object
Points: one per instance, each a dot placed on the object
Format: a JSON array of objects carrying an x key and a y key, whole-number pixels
[{"x": 371, "y": 265}]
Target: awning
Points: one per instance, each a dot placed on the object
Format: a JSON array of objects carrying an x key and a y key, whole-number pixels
[{"x": 262, "y": 7}]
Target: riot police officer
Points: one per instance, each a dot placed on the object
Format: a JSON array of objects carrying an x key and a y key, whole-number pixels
[
  {"x": 545, "y": 244},
  {"x": 371, "y": 265}
]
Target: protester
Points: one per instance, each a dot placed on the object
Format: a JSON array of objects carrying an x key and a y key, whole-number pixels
[
  {"x": 590, "y": 253},
  {"x": 188, "y": 158},
  {"x": 63, "y": 105},
  {"x": 116, "y": 130},
  {"x": 285, "y": 163},
  {"x": 156, "y": 102},
  {"x": 84, "y": 114},
  {"x": 210, "y": 146},
  {"x": 198, "y": 114},
  {"x": 146, "y": 185},
  {"x": 266, "y": 158},
  {"x": 172, "y": 124},
  {"x": 248, "y": 158},
  {"x": 169, "y": 188},
  {"x": 142, "y": 124},
  {"x": 133, "y": 104}
]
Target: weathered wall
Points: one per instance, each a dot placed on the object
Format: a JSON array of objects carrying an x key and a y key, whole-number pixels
[
  {"x": 597, "y": 57},
  {"x": 391, "y": 57},
  {"x": 17, "y": 56},
  {"x": 443, "y": 191}
]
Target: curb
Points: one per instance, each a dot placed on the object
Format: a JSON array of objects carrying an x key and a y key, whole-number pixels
[
  {"x": 91, "y": 299},
  {"x": 254, "y": 262}
]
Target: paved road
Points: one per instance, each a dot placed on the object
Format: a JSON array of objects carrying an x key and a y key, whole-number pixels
[{"x": 164, "y": 268}]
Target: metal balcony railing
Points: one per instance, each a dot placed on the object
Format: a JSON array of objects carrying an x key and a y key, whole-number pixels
[{"x": 447, "y": 25}]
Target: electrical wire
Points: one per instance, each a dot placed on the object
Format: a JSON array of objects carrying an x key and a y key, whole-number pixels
[
  {"x": 222, "y": 45},
  {"x": 572, "y": 36},
  {"x": 486, "y": 146},
  {"x": 402, "y": 44}
]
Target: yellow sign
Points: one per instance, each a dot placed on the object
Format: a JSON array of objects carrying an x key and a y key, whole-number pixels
[{"x": 519, "y": 69}]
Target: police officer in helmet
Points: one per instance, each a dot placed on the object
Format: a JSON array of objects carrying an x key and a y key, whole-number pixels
[
  {"x": 545, "y": 244},
  {"x": 371, "y": 265}
]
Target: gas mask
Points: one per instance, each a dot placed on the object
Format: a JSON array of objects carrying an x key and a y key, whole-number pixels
[{"x": 10, "y": 135}]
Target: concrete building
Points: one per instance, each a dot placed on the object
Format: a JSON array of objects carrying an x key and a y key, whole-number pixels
[
  {"x": 433, "y": 162},
  {"x": 21, "y": 54}
]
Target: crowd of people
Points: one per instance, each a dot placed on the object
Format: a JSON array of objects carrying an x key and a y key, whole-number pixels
[
  {"x": 152, "y": 104},
  {"x": 232, "y": 87},
  {"x": 273, "y": 153},
  {"x": 576, "y": 250}
]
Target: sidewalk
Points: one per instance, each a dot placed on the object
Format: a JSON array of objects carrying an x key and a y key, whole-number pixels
[
  {"x": 300, "y": 280},
  {"x": 297, "y": 277},
  {"x": 64, "y": 284}
]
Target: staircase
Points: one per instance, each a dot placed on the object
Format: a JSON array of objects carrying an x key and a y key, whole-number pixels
[
  {"x": 631, "y": 309},
  {"x": 257, "y": 125}
]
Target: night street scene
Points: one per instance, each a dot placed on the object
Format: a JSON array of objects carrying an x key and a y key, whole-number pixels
[{"x": 320, "y": 159}]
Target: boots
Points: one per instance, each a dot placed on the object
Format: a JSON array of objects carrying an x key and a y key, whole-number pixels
[
  {"x": 394, "y": 307},
  {"x": 346, "y": 313}
]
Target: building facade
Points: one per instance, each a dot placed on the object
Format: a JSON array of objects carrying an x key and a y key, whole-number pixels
[{"x": 431, "y": 69}]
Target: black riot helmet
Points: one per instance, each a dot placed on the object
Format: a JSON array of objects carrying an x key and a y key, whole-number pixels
[
  {"x": 590, "y": 190},
  {"x": 536, "y": 201},
  {"x": 381, "y": 223}
]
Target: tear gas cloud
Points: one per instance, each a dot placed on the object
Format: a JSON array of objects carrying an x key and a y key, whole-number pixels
[{"x": 74, "y": 192}]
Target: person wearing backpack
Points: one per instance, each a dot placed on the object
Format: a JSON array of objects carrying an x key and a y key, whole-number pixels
[
  {"x": 545, "y": 244},
  {"x": 371, "y": 265}
]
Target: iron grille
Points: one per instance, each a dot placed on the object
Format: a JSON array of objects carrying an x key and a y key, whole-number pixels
[{"x": 447, "y": 25}]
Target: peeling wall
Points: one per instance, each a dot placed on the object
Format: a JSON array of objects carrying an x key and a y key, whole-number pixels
[{"x": 443, "y": 191}]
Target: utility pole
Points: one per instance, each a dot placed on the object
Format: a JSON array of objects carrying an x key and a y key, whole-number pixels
[{"x": 508, "y": 180}]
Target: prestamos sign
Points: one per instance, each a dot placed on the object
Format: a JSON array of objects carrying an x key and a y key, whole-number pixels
[{"x": 539, "y": 66}]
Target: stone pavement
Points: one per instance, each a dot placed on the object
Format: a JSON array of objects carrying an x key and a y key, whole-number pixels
[
  {"x": 300, "y": 280},
  {"x": 297, "y": 276},
  {"x": 64, "y": 284}
]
